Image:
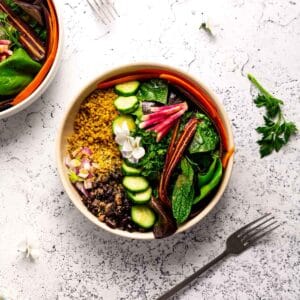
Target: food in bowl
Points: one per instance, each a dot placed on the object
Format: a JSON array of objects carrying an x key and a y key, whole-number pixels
[
  {"x": 28, "y": 45},
  {"x": 148, "y": 152}
]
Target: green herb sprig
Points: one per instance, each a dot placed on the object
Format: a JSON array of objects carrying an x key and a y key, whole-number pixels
[
  {"x": 276, "y": 131},
  {"x": 8, "y": 31}
]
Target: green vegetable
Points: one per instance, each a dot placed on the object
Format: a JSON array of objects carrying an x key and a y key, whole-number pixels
[
  {"x": 276, "y": 131},
  {"x": 183, "y": 192},
  {"x": 205, "y": 139},
  {"x": 16, "y": 72},
  {"x": 127, "y": 88},
  {"x": 138, "y": 113},
  {"x": 126, "y": 105},
  {"x": 74, "y": 177},
  {"x": 153, "y": 161},
  {"x": 143, "y": 216},
  {"x": 40, "y": 31},
  {"x": 128, "y": 120},
  {"x": 140, "y": 198},
  {"x": 209, "y": 187},
  {"x": 153, "y": 90},
  {"x": 135, "y": 183},
  {"x": 128, "y": 170},
  {"x": 8, "y": 32},
  {"x": 205, "y": 178}
]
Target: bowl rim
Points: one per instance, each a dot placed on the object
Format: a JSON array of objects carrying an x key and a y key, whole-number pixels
[
  {"x": 78, "y": 98},
  {"x": 47, "y": 80}
]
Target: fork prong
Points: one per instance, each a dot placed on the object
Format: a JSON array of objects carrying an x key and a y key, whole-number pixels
[
  {"x": 253, "y": 240},
  {"x": 97, "y": 10},
  {"x": 246, "y": 232},
  {"x": 106, "y": 5},
  {"x": 259, "y": 230},
  {"x": 104, "y": 10},
  {"x": 114, "y": 9},
  {"x": 251, "y": 223}
]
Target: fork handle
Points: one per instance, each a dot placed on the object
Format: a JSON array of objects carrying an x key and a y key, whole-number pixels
[{"x": 191, "y": 278}]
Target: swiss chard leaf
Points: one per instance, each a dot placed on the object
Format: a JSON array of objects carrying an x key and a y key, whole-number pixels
[{"x": 153, "y": 90}]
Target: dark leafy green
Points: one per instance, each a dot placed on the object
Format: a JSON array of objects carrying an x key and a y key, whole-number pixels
[
  {"x": 153, "y": 90},
  {"x": 8, "y": 32},
  {"x": 183, "y": 192},
  {"x": 153, "y": 161},
  {"x": 206, "y": 138},
  {"x": 16, "y": 72},
  {"x": 276, "y": 131},
  {"x": 40, "y": 31}
]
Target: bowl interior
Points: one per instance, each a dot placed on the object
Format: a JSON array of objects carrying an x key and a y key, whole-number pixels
[
  {"x": 66, "y": 130},
  {"x": 47, "y": 80}
]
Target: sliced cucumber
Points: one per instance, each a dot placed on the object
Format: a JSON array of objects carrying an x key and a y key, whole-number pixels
[
  {"x": 127, "y": 88},
  {"x": 135, "y": 183},
  {"x": 126, "y": 104},
  {"x": 140, "y": 198},
  {"x": 127, "y": 170},
  {"x": 143, "y": 216},
  {"x": 118, "y": 122}
]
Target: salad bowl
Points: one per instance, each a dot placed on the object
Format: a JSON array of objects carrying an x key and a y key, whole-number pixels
[
  {"x": 39, "y": 53},
  {"x": 124, "y": 81}
]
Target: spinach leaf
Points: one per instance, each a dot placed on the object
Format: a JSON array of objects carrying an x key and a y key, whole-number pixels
[
  {"x": 16, "y": 72},
  {"x": 153, "y": 90},
  {"x": 183, "y": 192},
  {"x": 205, "y": 139}
]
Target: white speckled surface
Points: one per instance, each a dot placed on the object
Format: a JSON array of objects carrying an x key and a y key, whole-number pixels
[{"x": 79, "y": 261}]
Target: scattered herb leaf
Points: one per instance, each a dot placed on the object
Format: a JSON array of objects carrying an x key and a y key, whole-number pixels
[{"x": 276, "y": 131}]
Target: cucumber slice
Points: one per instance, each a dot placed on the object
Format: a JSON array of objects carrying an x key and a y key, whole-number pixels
[
  {"x": 118, "y": 122},
  {"x": 140, "y": 198},
  {"x": 143, "y": 216},
  {"x": 127, "y": 88},
  {"x": 135, "y": 183},
  {"x": 126, "y": 104},
  {"x": 127, "y": 170}
]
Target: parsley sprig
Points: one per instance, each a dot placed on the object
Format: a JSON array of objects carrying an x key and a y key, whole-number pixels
[{"x": 276, "y": 131}]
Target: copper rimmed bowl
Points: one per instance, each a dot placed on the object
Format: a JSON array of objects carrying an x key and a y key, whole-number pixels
[
  {"x": 66, "y": 129},
  {"x": 50, "y": 73}
]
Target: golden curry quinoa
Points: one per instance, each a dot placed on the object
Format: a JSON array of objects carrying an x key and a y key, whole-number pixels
[{"x": 93, "y": 129}]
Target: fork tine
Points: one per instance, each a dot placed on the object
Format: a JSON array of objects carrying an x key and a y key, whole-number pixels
[
  {"x": 104, "y": 10},
  {"x": 114, "y": 9},
  {"x": 251, "y": 223},
  {"x": 242, "y": 235},
  {"x": 97, "y": 10},
  {"x": 248, "y": 237},
  {"x": 106, "y": 5},
  {"x": 252, "y": 241}
]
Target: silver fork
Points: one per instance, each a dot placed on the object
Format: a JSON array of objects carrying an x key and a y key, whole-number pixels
[
  {"x": 236, "y": 243},
  {"x": 105, "y": 10}
]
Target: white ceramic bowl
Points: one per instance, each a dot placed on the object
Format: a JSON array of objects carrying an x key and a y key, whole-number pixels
[
  {"x": 66, "y": 129},
  {"x": 48, "y": 79}
]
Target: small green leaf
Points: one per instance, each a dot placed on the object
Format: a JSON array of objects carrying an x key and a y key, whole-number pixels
[{"x": 265, "y": 149}]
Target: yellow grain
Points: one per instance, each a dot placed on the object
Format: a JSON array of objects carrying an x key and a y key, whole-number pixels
[{"x": 93, "y": 129}]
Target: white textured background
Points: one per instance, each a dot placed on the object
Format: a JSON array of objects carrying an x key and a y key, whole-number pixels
[{"x": 78, "y": 260}]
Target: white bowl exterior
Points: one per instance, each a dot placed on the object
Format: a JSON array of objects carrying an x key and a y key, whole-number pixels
[
  {"x": 47, "y": 80},
  {"x": 61, "y": 150}
]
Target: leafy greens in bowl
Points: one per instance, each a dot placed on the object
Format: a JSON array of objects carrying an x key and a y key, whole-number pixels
[
  {"x": 145, "y": 151},
  {"x": 30, "y": 45}
]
